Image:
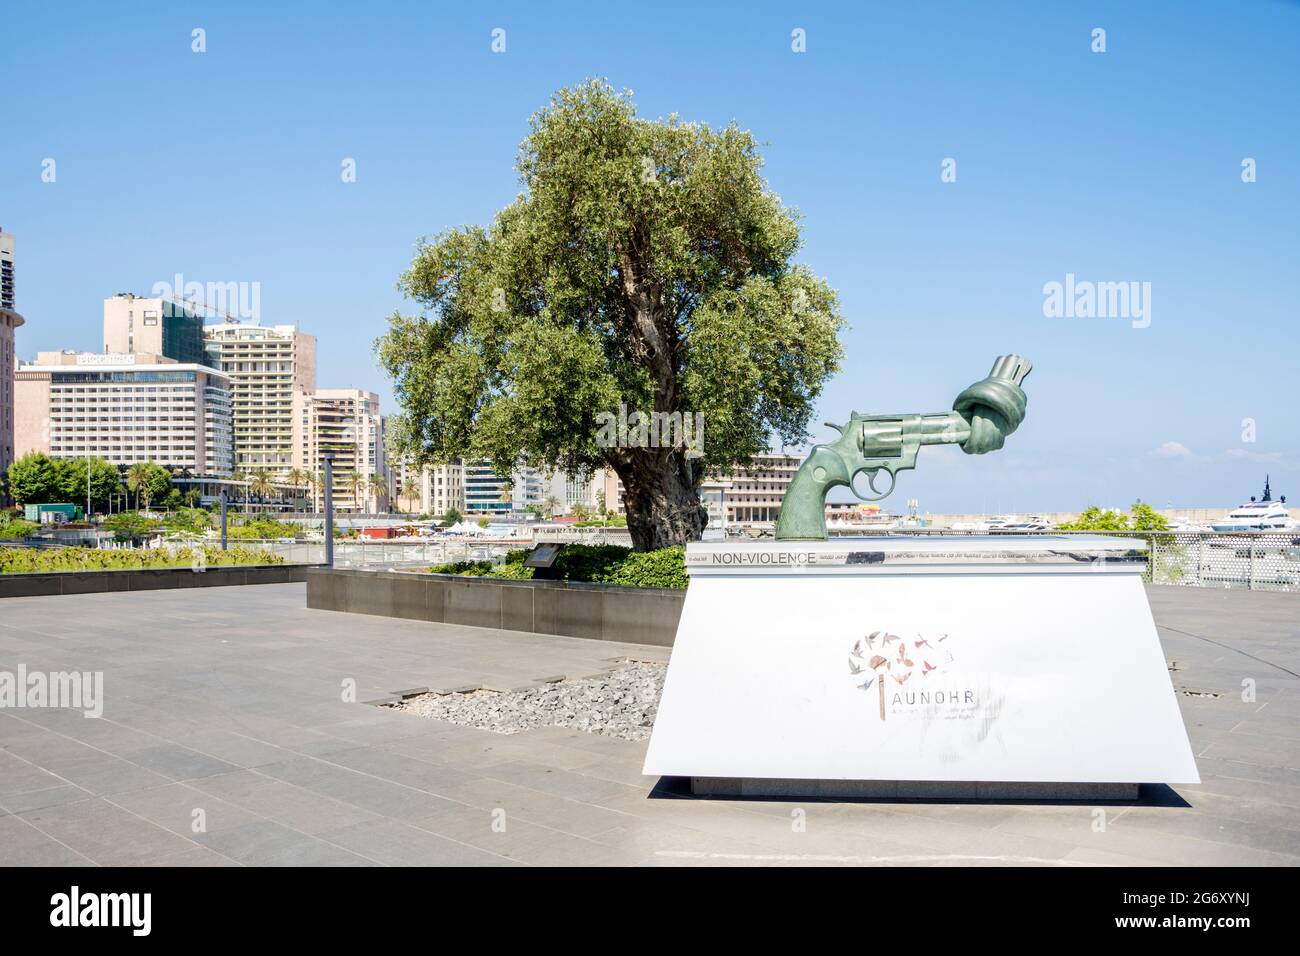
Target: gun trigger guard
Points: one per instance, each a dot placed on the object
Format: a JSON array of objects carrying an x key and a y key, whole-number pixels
[{"x": 871, "y": 480}]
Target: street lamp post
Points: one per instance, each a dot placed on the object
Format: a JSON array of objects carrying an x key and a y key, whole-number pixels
[
  {"x": 223, "y": 519},
  {"x": 329, "y": 510}
]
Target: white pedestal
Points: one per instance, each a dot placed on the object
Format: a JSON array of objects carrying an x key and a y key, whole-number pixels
[{"x": 1011, "y": 667}]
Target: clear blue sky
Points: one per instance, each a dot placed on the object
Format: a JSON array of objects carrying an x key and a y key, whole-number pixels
[{"x": 1121, "y": 166}]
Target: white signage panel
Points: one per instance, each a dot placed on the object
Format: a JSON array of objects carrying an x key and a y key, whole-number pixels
[{"x": 1020, "y": 673}]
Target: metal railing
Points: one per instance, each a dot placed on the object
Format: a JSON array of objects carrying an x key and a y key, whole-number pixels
[
  {"x": 351, "y": 553},
  {"x": 1256, "y": 560}
]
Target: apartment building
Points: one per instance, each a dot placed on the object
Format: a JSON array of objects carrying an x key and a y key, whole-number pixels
[
  {"x": 9, "y": 322},
  {"x": 490, "y": 493},
  {"x": 345, "y": 424},
  {"x": 125, "y": 409},
  {"x": 586, "y": 490},
  {"x": 753, "y": 495},
  {"x": 267, "y": 366},
  {"x": 135, "y": 323}
]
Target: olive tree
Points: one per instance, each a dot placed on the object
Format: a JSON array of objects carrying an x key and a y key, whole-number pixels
[{"x": 646, "y": 270}]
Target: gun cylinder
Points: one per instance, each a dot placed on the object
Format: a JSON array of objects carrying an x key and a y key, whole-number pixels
[{"x": 884, "y": 437}]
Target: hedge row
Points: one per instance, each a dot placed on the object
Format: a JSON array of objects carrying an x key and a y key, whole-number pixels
[
  {"x": 38, "y": 560},
  {"x": 596, "y": 563}
]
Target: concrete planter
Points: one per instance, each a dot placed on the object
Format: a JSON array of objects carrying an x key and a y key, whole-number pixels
[
  {"x": 600, "y": 612},
  {"x": 146, "y": 579}
]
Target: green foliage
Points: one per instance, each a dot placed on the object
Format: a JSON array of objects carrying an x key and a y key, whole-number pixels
[
  {"x": 662, "y": 568},
  {"x": 12, "y": 526},
  {"x": 1145, "y": 518},
  {"x": 603, "y": 563},
  {"x": 265, "y": 528},
  {"x": 1142, "y": 518},
  {"x": 613, "y": 521},
  {"x": 149, "y": 481},
  {"x": 70, "y": 480},
  {"x": 128, "y": 525},
  {"x": 590, "y": 562},
  {"x": 646, "y": 262},
  {"x": 39, "y": 560},
  {"x": 195, "y": 520},
  {"x": 31, "y": 479},
  {"x": 36, "y": 478},
  {"x": 453, "y": 516}
]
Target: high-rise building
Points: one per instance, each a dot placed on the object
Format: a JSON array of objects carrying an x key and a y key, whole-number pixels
[
  {"x": 9, "y": 321},
  {"x": 267, "y": 366},
  {"x": 126, "y": 409},
  {"x": 490, "y": 493},
  {"x": 345, "y": 424},
  {"x": 442, "y": 488},
  {"x": 134, "y": 323},
  {"x": 753, "y": 495},
  {"x": 7, "y": 272},
  {"x": 587, "y": 490}
]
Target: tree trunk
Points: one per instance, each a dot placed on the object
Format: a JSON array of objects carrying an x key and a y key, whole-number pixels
[{"x": 661, "y": 496}]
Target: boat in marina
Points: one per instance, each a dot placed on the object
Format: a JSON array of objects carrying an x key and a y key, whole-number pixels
[{"x": 1262, "y": 515}]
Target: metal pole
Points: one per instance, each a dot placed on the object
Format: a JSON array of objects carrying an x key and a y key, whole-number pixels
[
  {"x": 223, "y": 519},
  {"x": 329, "y": 512}
]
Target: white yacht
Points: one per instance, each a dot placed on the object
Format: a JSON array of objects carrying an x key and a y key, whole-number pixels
[
  {"x": 986, "y": 525},
  {"x": 1263, "y": 515}
]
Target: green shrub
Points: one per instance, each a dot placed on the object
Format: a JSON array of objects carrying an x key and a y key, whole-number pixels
[
  {"x": 663, "y": 568},
  {"x": 126, "y": 525},
  {"x": 262, "y": 528},
  {"x": 45, "y": 560},
  {"x": 14, "y": 527},
  {"x": 596, "y": 563},
  {"x": 589, "y": 562}
]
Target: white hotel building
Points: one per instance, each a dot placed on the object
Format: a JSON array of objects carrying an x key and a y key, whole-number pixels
[{"x": 126, "y": 409}]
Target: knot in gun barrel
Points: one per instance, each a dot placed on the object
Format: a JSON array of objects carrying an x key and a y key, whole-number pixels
[{"x": 994, "y": 406}]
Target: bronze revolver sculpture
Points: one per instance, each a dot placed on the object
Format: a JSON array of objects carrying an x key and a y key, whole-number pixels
[{"x": 981, "y": 419}]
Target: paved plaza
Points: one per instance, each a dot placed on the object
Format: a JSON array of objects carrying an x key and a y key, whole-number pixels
[{"x": 226, "y": 739}]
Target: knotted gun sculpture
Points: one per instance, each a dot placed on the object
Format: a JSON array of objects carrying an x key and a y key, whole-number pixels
[{"x": 981, "y": 419}]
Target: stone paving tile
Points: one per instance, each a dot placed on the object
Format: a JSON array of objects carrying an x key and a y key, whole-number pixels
[
  {"x": 49, "y": 797},
  {"x": 238, "y": 693},
  {"x": 177, "y": 762},
  {"x": 103, "y": 773},
  {"x": 173, "y": 807},
  {"x": 195, "y": 856},
  {"x": 393, "y": 843},
  {"x": 106, "y": 834},
  {"x": 265, "y": 843},
  {"x": 272, "y": 799},
  {"x": 24, "y": 845},
  {"x": 20, "y": 776}
]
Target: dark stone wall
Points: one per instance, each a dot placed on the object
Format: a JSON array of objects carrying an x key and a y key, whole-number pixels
[
  {"x": 596, "y": 611},
  {"x": 150, "y": 579}
]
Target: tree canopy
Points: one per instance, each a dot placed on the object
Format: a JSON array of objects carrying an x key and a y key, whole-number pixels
[
  {"x": 646, "y": 264},
  {"x": 36, "y": 478}
]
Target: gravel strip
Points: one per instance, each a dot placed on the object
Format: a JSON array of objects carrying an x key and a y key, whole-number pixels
[{"x": 619, "y": 704}]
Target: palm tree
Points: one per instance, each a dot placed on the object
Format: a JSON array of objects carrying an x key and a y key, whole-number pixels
[
  {"x": 241, "y": 476},
  {"x": 552, "y": 503},
  {"x": 137, "y": 479},
  {"x": 261, "y": 484},
  {"x": 296, "y": 478},
  {"x": 408, "y": 491},
  {"x": 355, "y": 482},
  {"x": 378, "y": 488}
]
